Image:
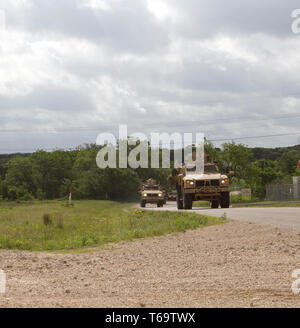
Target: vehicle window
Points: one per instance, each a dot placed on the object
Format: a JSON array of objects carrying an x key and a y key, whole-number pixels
[
  {"x": 191, "y": 169},
  {"x": 151, "y": 188},
  {"x": 210, "y": 169}
]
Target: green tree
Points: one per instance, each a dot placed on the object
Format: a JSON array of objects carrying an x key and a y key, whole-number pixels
[
  {"x": 237, "y": 158},
  {"x": 20, "y": 176},
  {"x": 88, "y": 178},
  {"x": 288, "y": 162},
  {"x": 49, "y": 171}
]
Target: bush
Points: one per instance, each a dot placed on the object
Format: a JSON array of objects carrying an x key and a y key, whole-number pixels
[
  {"x": 20, "y": 193},
  {"x": 40, "y": 194},
  {"x": 47, "y": 219},
  {"x": 12, "y": 193},
  {"x": 60, "y": 222},
  {"x": 27, "y": 196}
]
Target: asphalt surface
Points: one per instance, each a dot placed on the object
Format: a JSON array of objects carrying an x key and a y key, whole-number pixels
[{"x": 282, "y": 217}]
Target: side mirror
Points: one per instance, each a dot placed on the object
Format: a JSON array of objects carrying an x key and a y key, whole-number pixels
[
  {"x": 174, "y": 173},
  {"x": 231, "y": 173}
]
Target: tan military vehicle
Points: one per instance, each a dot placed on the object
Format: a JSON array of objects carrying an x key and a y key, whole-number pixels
[
  {"x": 172, "y": 195},
  {"x": 209, "y": 185},
  {"x": 152, "y": 193}
]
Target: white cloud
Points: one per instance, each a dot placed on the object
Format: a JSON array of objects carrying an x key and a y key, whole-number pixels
[
  {"x": 101, "y": 63},
  {"x": 161, "y": 10},
  {"x": 94, "y": 4}
]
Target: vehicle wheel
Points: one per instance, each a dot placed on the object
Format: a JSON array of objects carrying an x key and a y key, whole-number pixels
[
  {"x": 143, "y": 203},
  {"x": 179, "y": 201},
  {"x": 214, "y": 204},
  {"x": 225, "y": 200},
  {"x": 187, "y": 202}
]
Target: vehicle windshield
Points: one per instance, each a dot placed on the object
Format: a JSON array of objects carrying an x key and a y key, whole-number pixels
[
  {"x": 191, "y": 169},
  {"x": 210, "y": 169},
  {"x": 150, "y": 187},
  {"x": 207, "y": 169}
]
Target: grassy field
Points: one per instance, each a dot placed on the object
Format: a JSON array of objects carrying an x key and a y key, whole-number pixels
[
  {"x": 234, "y": 199},
  {"x": 266, "y": 204},
  {"x": 201, "y": 203},
  {"x": 52, "y": 225},
  {"x": 242, "y": 199},
  {"x": 251, "y": 204}
]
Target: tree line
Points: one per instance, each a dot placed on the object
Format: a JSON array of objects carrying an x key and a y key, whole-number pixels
[{"x": 50, "y": 175}]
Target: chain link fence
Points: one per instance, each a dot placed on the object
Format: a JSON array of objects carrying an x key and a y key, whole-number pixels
[{"x": 284, "y": 191}]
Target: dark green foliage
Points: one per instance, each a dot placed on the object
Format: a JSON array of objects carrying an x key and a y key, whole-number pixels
[
  {"x": 255, "y": 168},
  {"x": 50, "y": 175},
  {"x": 47, "y": 219}
]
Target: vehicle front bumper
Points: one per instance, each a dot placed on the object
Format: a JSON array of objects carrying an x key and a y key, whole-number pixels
[
  {"x": 208, "y": 190},
  {"x": 152, "y": 200}
]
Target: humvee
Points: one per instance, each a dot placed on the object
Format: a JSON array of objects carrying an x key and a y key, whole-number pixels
[
  {"x": 172, "y": 195},
  {"x": 152, "y": 193},
  {"x": 191, "y": 186}
]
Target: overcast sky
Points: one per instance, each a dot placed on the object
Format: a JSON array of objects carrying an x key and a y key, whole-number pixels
[{"x": 71, "y": 69}]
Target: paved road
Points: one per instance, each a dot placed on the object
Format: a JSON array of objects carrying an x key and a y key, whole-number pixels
[{"x": 283, "y": 217}]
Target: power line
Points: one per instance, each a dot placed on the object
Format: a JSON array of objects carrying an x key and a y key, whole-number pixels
[
  {"x": 258, "y": 137},
  {"x": 210, "y": 140},
  {"x": 105, "y": 125}
]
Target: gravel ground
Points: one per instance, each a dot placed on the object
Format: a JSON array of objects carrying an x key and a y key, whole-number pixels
[{"x": 237, "y": 264}]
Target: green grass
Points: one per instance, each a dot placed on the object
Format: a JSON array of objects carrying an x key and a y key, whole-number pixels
[
  {"x": 87, "y": 224},
  {"x": 234, "y": 199},
  {"x": 280, "y": 205},
  {"x": 201, "y": 203},
  {"x": 241, "y": 199}
]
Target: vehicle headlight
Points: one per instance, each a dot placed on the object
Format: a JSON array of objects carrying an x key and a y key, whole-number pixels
[
  {"x": 224, "y": 181},
  {"x": 145, "y": 195},
  {"x": 159, "y": 195},
  {"x": 190, "y": 182}
]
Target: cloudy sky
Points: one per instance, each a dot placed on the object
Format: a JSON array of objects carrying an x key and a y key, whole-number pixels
[{"x": 71, "y": 69}]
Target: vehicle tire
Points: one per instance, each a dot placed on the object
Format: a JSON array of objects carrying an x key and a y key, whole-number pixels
[
  {"x": 225, "y": 200},
  {"x": 179, "y": 201},
  {"x": 214, "y": 204},
  {"x": 143, "y": 203},
  {"x": 187, "y": 202}
]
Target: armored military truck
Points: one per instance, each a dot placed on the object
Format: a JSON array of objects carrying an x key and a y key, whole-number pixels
[
  {"x": 152, "y": 193},
  {"x": 210, "y": 185}
]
